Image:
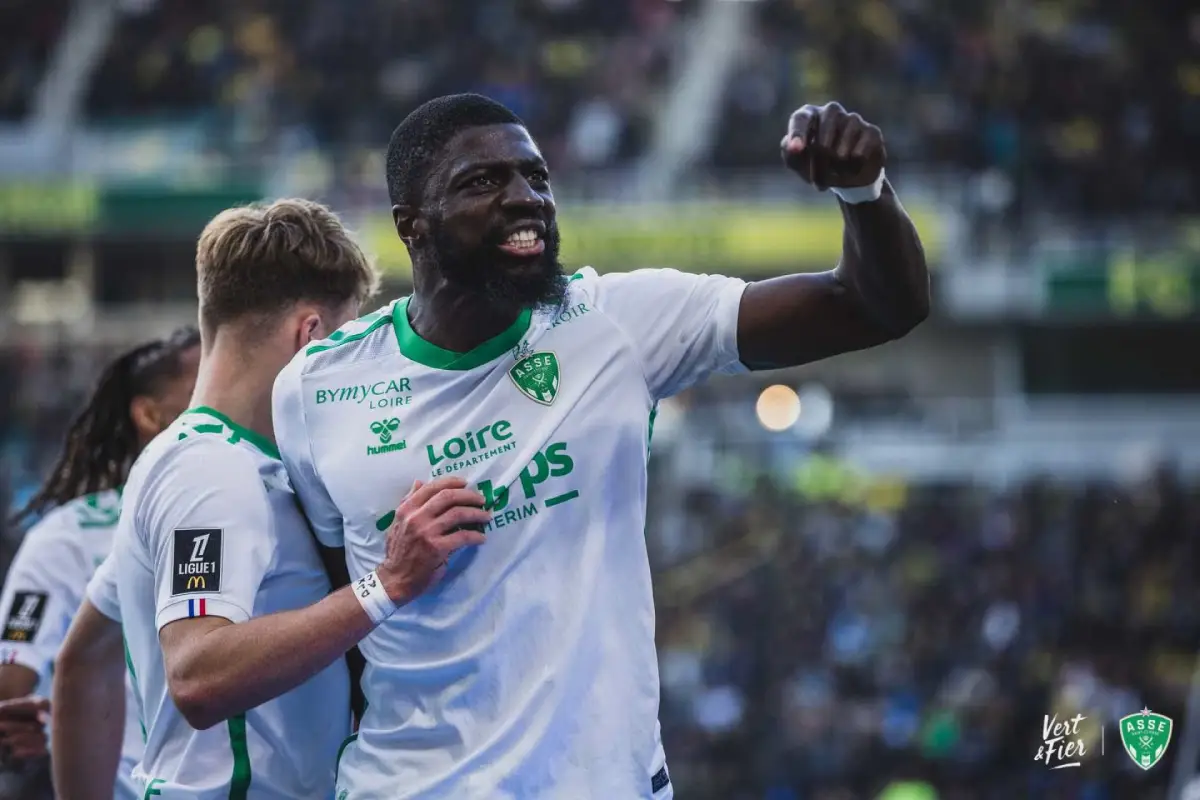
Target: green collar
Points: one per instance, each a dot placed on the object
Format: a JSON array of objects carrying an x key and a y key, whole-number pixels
[{"x": 417, "y": 349}]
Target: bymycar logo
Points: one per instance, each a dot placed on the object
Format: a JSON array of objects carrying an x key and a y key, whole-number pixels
[{"x": 380, "y": 394}]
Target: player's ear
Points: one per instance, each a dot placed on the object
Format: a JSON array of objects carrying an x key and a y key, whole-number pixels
[
  {"x": 410, "y": 224},
  {"x": 405, "y": 218},
  {"x": 311, "y": 328},
  {"x": 146, "y": 417}
]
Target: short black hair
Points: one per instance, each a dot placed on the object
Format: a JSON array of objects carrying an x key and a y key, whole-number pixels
[{"x": 418, "y": 140}]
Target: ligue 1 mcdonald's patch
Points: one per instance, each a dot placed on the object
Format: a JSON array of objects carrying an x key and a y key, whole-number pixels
[
  {"x": 197, "y": 561},
  {"x": 25, "y": 617}
]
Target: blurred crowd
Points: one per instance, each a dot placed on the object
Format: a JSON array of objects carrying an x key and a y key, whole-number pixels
[
  {"x": 837, "y": 638},
  {"x": 273, "y": 76},
  {"x": 1084, "y": 105}
]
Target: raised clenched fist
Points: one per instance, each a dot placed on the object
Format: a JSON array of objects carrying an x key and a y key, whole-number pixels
[{"x": 830, "y": 147}]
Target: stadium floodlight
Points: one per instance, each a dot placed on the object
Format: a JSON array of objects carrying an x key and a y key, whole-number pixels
[{"x": 778, "y": 407}]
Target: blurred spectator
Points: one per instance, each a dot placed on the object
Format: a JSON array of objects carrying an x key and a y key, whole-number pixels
[{"x": 933, "y": 635}]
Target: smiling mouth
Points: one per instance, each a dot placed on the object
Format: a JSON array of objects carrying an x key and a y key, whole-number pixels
[{"x": 524, "y": 243}]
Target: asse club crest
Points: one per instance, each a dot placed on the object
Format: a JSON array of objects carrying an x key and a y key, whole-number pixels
[
  {"x": 536, "y": 375},
  {"x": 1146, "y": 736}
]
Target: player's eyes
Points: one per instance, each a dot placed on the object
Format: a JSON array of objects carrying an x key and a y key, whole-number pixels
[
  {"x": 481, "y": 182},
  {"x": 540, "y": 176}
]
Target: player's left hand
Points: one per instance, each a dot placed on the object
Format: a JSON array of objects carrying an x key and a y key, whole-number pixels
[
  {"x": 22, "y": 728},
  {"x": 828, "y": 147}
]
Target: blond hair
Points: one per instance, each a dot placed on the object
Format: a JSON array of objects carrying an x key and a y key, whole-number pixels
[{"x": 259, "y": 260}]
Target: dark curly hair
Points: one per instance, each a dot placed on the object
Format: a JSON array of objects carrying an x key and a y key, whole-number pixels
[{"x": 102, "y": 443}]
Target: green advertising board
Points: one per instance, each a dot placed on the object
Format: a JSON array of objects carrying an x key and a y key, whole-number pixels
[
  {"x": 71, "y": 209},
  {"x": 1124, "y": 284},
  {"x": 747, "y": 239}
]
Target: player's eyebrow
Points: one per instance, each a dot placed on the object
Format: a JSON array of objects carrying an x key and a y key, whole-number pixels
[{"x": 524, "y": 164}]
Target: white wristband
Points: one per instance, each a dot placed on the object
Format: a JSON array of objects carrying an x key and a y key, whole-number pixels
[
  {"x": 860, "y": 194},
  {"x": 374, "y": 599}
]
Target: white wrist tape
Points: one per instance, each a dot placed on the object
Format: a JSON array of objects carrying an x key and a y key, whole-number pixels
[
  {"x": 860, "y": 194},
  {"x": 374, "y": 599}
]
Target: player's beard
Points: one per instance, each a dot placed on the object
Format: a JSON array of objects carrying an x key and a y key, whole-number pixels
[{"x": 501, "y": 279}]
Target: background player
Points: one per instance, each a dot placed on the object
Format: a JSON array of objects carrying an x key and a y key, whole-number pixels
[
  {"x": 531, "y": 671},
  {"x": 138, "y": 395}
]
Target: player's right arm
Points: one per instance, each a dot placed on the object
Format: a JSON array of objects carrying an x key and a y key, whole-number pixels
[{"x": 219, "y": 660}]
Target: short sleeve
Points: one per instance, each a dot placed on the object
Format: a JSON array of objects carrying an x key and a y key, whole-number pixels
[
  {"x": 682, "y": 326},
  {"x": 102, "y": 590},
  {"x": 205, "y": 521},
  {"x": 42, "y": 592},
  {"x": 291, "y": 436}
]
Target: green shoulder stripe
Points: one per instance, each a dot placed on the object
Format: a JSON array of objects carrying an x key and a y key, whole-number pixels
[
  {"x": 216, "y": 423},
  {"x": 91, "y": 513},
  {"x": 373, "y": 321}
]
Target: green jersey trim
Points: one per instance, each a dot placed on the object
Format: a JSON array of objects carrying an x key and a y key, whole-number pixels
[
  {"x": 650, "y": 426},
  {"x": 239, "y": 784},
  {"x": 133, "y": 679},
  {"x": 90, "y": 514},
  {"x": 238, "y": 432},
  {"x": 374, "y": 320},
  {"x": 337, "y": 762},
  {"x": 428, "y": 354}
]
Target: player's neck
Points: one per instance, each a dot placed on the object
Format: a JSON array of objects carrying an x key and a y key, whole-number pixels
[
  {"x": 237, "y": 383},
  {"x": 455, "y": 321}
]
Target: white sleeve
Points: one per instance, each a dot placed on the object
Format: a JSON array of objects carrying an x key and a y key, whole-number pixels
[
  {"x": 41, "y": 594},
  {"x": 682, "y": 326},
  {"x": 291, "y": 436},
  {"x": 205, "y": 522},
  {"x": 102, "y": 589}
]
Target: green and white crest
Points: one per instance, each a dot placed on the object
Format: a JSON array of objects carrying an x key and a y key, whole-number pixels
[
  {"x": 537, "y": 376},
  {"x": 384, "y": 429},
  {"x": 1146, "y": 736}
]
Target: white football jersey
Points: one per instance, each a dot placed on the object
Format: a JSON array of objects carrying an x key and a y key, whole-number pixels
[
  {"x": 43, "y": 590},
  {"x": 530, "y": 671},
  {"x": 211, "y": 527}
]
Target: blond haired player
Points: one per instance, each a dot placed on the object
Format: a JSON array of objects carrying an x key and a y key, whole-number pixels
[{"x": 213, "y": 553}]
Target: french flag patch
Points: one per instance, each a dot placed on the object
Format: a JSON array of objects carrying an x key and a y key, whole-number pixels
[{"x": 197, "y": 608}]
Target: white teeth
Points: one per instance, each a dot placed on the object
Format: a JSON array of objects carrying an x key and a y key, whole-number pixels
[{"x": 524, "y": 238}]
